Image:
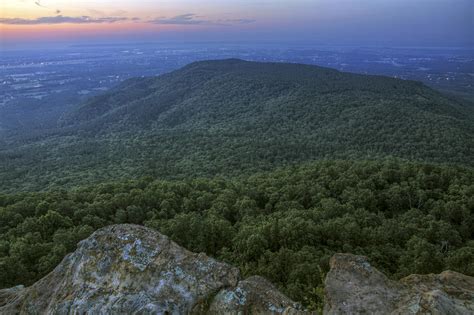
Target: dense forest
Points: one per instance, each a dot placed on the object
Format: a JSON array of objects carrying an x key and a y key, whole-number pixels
[
  {"x": 284, "y": 225},
  {"x": 270, "y": 167},
  {"x": 232, "y": 117}
]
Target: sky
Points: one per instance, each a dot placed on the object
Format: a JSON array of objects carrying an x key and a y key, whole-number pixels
[{"x": 434, "y": 23}]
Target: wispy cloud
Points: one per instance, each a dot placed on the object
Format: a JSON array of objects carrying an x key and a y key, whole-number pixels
[
  {"x": 38, "y": 3},
  {"x": 194, "y": 19},
  {"x": 184, "y": 19},
  {"x": 100, "y": 18},
  {"x": 59, "y": 19}
]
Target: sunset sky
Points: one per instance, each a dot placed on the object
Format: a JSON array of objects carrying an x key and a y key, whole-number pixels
[{"x": 335, "y": 22}]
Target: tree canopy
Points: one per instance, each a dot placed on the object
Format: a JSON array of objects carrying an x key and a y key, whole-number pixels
[{"x": 284, "y": 225}]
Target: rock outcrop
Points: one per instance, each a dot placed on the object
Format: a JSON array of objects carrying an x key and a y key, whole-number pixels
[
  {"x": 129, "y": 269},
  {"x": 353, "y": 286}
]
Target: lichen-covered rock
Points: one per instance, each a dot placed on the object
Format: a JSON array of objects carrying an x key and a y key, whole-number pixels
[
  {"x": 254, "y": 295},
  {"x": 447, "y": 293},
  {"x": 129, "y": 269},
  {"x": 353, "y": 286}
]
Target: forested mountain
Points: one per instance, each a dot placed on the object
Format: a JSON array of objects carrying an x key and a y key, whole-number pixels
[
  {"x": 233, "y": 117},
  {"x": 228, "y": 93}
]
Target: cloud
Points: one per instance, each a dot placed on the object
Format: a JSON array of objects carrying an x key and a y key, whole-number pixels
[
  {"x": 193, "y": 19},
  {"x": 38, "y": 3},
  {"x": 59, "y": 19},
  {"x": 184, "y": 19}
]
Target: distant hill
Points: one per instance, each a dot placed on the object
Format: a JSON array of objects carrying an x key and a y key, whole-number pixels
[{"x": 231, "y": 116}]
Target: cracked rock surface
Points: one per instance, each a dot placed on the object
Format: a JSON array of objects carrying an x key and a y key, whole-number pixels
[
  {"x": 130, "y": 269},
  {"x": 353, "y": 286}
]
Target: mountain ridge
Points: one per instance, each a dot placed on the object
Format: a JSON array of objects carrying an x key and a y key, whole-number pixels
[
  {"x": 232, "y": 117},
  {"x": 274, "y": 74}
]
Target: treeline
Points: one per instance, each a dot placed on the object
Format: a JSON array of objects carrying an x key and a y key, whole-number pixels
[{"x": 284, "y": 225}]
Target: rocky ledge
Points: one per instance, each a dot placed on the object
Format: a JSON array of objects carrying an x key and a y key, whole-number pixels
[
  {"x": 129, "y": 269},
  {"x": 353, "y": 286}
]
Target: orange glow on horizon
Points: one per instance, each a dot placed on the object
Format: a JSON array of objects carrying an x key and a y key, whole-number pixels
[
  {"x": 35, "y": 20},
  {"x": 28, "y": 10},
  {"x": 63, "y": 31}
]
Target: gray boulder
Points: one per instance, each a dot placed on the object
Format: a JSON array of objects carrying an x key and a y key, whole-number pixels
[
  {"x": 129, "y": 269},
  {"x": 353, "y": 286}
]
